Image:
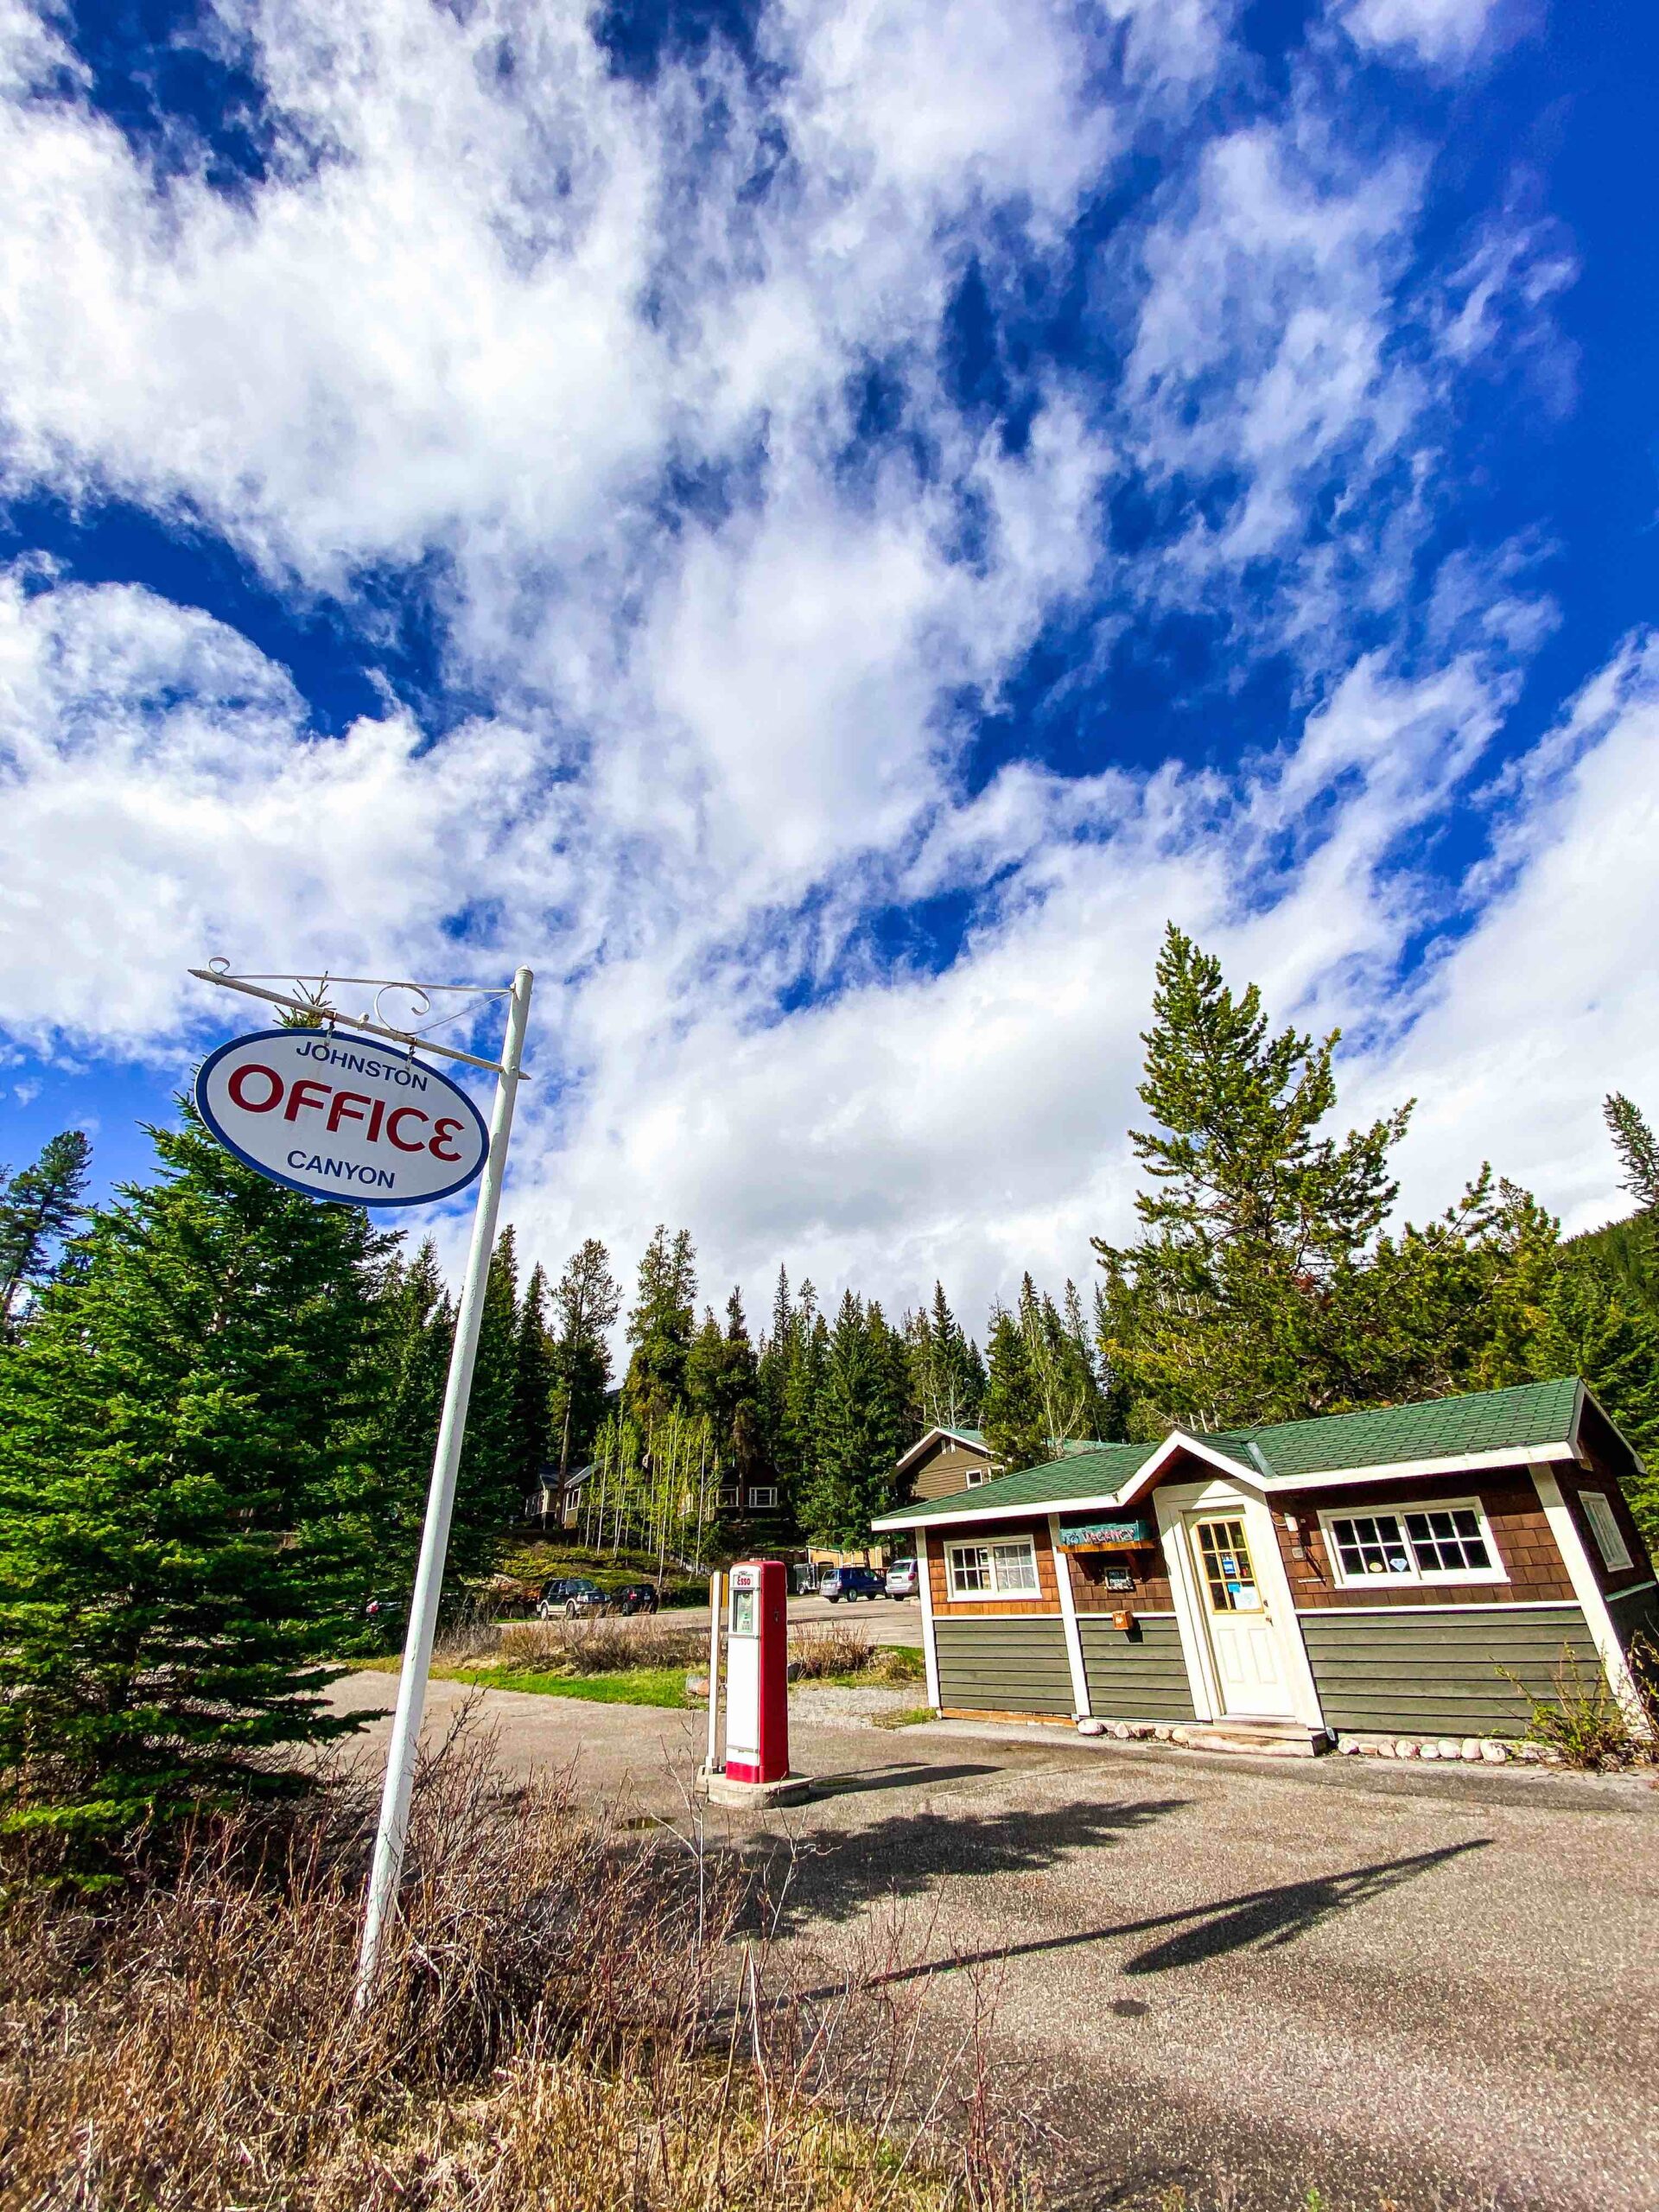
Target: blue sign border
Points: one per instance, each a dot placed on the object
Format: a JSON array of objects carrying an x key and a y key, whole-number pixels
[{"x": 306, "y": 1190}]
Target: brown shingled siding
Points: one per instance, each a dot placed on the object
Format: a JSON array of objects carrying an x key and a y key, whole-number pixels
[
  {"x": 1152, "y": 1593},
  {"x": 1536, "y": 1571},
  {"x": 1600, "y": 1475},
  {"x": 988, "y": 1532}
]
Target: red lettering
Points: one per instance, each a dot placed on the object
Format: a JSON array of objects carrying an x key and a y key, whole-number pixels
[
  {"x": 444, "y": 1128},
  {"x": 343, "y": 1109},
  {"x": 238, "y": 1096},
  {"x": 403, "y": 1114},
  {"x": 377, "y": 1114},
  {"x": 297, "y": 1097}
]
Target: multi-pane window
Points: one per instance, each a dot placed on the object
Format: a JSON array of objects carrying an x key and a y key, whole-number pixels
[
  {"x": 1004, "y": 1569},
  {"x": 1426, "y": 1543},
  {"x": 763, "y": 1497}
]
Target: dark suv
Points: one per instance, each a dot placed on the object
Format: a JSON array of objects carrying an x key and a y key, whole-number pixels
[
  {"x": 850, "y": 1583},
  {"x": 635, "y": 1598}
]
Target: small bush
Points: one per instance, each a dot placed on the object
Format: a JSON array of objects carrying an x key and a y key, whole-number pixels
[
  {"x": 1583, "y": 1722},
  {"x": 827, "y": 1647}
]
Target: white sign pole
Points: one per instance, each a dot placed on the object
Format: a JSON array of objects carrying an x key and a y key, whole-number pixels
[{"x": 388, "y": 1865}]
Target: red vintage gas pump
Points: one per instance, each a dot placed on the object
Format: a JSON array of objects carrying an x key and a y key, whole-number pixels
[{"x": 757, "y": 1673}]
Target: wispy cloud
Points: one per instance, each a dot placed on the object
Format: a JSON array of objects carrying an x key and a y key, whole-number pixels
[{"x": 663, "y": 379}]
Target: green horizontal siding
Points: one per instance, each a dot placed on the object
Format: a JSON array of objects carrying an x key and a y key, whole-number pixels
[
  {"x": 1636, "y": 1615},
  {"x": 1005, "y": 1665},
  {"x": 1437, "y": 1673},
  {"x": 1136, "y": 1677}
]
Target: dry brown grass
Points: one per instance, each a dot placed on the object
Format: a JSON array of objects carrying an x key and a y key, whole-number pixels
[
  {"x": 568, "y": 2021},
  {"x": 609, "y": 1645},
  {"x": 824, "y": 1648}
]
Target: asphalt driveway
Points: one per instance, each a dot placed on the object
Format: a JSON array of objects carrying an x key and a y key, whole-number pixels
[{"x": 1237, "y": 1978}]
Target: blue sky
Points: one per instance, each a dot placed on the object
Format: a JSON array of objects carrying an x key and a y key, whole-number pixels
[{"x": 820, "y": 527}]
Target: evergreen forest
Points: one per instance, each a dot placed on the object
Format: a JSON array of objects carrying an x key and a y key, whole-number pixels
[{"x": 219, "y": 1398}]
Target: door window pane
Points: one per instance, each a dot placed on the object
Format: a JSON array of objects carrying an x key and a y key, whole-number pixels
[{"x": 1229, "y": 1577}]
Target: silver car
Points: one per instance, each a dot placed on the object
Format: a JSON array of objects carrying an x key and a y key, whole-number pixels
[{"x": 902, "y": 1580}]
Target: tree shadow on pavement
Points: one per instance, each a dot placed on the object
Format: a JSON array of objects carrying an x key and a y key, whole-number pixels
[
  {"x": 1257, "y": 1919},
  {"x": 906, "y": 1774},
  {"x": 830, "y": 1878}
]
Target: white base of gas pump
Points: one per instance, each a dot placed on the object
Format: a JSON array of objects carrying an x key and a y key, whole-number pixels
[{"x": 755, "y": 1797}]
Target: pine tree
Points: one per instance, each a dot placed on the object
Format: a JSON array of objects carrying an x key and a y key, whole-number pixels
[
  {"x": 530, "y": 1441},
  {"x": 1218, "y": 1315},
  {"x": 486, "y": 1492},
  {"x": 800, "y": 1455},
  {"x": 860, "y": 1428},
  {"x": 661, "y": 1326},
  {"x": 1636, "y": 1147},
  {"x": 586, "y": 1304},
  {"x": 722, "y": 1384},
  {"x": 947, "y": 1377},
  {"x": 414, "y": 1336},
  {"x": 38, "y": 1207},
  {"x": 178, "y": 1427},
  {"x": 1013, "y": 1417}
]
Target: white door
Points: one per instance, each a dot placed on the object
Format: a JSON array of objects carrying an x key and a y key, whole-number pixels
[{"x": 1248, "y": 1668}]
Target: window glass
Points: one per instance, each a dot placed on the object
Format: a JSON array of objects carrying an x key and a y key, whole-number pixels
[
  {"x": 1229, "y": 1577},
  {"x": 970, "y": 1569},
  {"x": 1007, "y": 1570},
  {"x": 1447, "y": 1542},
  {"x": 1415, "y": 1543},
  {"x": 1604, "y": 1527},
  {"x": 1015, "y": 1568},
  {"x": 1371, "y": 1543}
]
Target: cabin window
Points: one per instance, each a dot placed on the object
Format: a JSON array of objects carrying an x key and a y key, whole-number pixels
[
  {"x": 976, "y": 1476},
  {"x": 763, "y": 1497},
  {"x": 1604, "y": 1527},
  {"x": 726, "y": 1500},
  {"x": 1448, "y": 1543},
  {"x": 1005, "y": 1569}
]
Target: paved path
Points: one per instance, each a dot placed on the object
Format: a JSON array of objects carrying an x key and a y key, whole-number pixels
[{"x": 1432, "y": 1991}]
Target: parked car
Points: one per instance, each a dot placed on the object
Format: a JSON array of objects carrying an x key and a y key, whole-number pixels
[
  {"x": 902, "y": 1580},
  {"x": 584, "y": 1599},
  {"x": 851, "y": 1583},
  {"x": 553, "y": 1593},
  {"x": 634, "y": 1598}
]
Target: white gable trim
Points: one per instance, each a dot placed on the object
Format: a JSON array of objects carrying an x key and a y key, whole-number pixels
[
  {"x": 939, "y": 1436},
  {"x": 1519, "y": 1457}
]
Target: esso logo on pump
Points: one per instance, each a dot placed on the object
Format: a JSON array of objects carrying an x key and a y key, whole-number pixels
[{"x": 341, "y": 1118}]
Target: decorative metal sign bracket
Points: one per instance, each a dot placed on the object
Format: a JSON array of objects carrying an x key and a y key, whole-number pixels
[{"x": 313, "y": 999}]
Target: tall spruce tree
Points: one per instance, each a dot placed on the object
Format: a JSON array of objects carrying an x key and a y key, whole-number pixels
[
  {"x": 1636, "y": 1147},
  {"x": 178, "y": 1428},
  {"x": 40, "y": 1207},
  {"x": 861, "y": 1427},
  {"x": 947, "y": 1376},
  {"x": 486, "y": 1492},
  {"x": 585, "y": 1303},
  {"x": 529, "y": 1442},
  {"x": 1012, "y": 1416},
  {"x": 414, "y": 1337},
  {"x": 661, "y": 1326}
]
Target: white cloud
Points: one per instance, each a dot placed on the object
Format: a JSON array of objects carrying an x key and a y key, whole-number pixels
[
  {"x": 1440, "y": 33},
  {"x": 489, "y": 311}
]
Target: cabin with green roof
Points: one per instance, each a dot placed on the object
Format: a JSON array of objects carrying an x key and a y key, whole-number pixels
[{"x": 1394, "y": 1571}]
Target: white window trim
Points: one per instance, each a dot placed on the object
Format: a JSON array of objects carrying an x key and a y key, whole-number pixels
[
  {"x": 976, "y": 1477},
  {"x": 1418, "y": 1579},
  {"x": 993, "y": 1596},
  {"x": 1608, "y": 1536},
  {"x": 763, "y": 1497}
]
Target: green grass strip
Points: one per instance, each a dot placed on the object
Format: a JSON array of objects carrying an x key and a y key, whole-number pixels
[{"x": 660, "y": 1686}]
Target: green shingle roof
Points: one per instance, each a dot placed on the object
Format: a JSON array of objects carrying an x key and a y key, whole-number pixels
[
  {"x": 1516, "y": 1420},
  {"x": 1445, "y": 1428}
]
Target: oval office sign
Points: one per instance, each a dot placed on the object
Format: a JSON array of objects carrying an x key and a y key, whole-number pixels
[{"x": 338, "y": 1117}]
